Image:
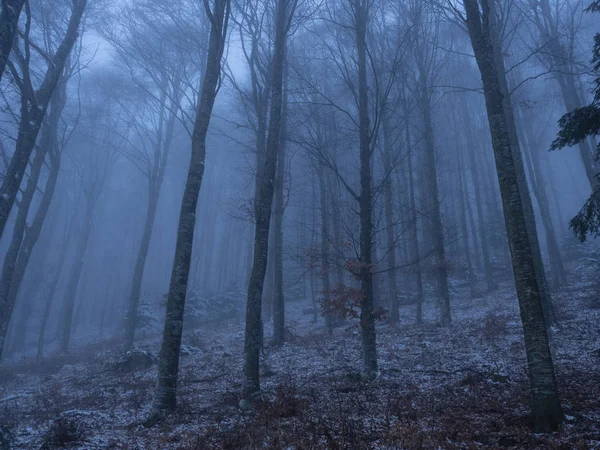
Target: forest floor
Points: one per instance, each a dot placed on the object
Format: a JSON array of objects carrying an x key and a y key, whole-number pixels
[{"x": 461, "y": 387}]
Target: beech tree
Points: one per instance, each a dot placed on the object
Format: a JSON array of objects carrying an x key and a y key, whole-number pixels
[
  {"x": 34, "y": 102},
  {"x": 266, "y": 174},
  {"x": 9, "y": 21},
  {"x": 546, "y": 408},
  {"x": 165, "y": 394}
]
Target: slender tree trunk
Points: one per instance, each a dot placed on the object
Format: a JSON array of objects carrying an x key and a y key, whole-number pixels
[
  {"x": 9, "y": 23},
  {"x": 24, "y": 238},
  {"x": 441, "y": 265},
  {"x": 325, "y": 247},
  {"x": 75, "y": 276},
  {"x": 154, "y": 187},
  {"x": 136, "y": 289},
  {"x": 483, "y": 230},
  {"x": 263, "y": 205},
  {"x": 414, "y": 227},
  {"x": 32, "y": 116},
  {"x": 367, "y": 317},
  {"x": 547, "y": 411},
  {"x": 168, "y": 364},
  {"x": 278, "y": 300},
  {"x": 463, "y": 224},
  {"x": 394, "y": 314},
  {"x": 538, "y": 184}
]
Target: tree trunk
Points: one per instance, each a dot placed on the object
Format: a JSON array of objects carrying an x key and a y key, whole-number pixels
[
  {"x": 441, "y": 265},
  {"x": 547, "y": 411},
  {"x": 9, "y": 24},
  {"x": 536, "y": 179},
  {"x": 168, "y": 364},
  {"x": 278, "y": 298},
  {"x": 154, "y": 187},
  {"x": 394, "y": 314},
  {"x": 24, "y": 238},
  {"x": 367, "y": 317},
  {"x": 32, "y": 116},
  {"x": 463, "y": 223},
  {"x": 263, "y": 205},
  {"x": 483, "y": 231},
  {"x": 75, "y": 276},
  {"x": 325, "y": 247},
  {"x": 414, "y": 226}
]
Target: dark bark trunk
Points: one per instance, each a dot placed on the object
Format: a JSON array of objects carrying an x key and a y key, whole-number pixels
[
  {"x": 168, "y": 364},
  {"x": 367, "y": 316},
  {"x": 441, "y": 265},
  {"x": 414, "y": 227},
  {"x": 394, "y": 314},
  {"x": 325, "y": 247},
  {"x": 263, "y": 205},
  {"x": 154, "y": 187},
  {"x": 75, "y": 276},
  {"x": 483, "y": 231},
  {"x": 24, "y": 238},
  {"x": 33, "y": 111},
  {"x": 9, "y": 22},
  {"x": 463, "y": 224},
  {"x": 546, "y": 408},
  {"x": 536, "y": 179},
  {"x": 279, "y": 209}
]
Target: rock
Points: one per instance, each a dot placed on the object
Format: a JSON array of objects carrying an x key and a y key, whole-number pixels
[{"x": 134, "y": 360}]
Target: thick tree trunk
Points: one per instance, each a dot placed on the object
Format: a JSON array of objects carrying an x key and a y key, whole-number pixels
[
  {"x": 9, "y": 23},
  {"x": 168, "y": 364},
  {"x": 498, "y": 58},
  {"x": 547, "y": 411},
  {"x": 32, "y": 116}
]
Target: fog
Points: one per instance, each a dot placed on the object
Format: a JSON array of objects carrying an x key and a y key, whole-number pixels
[{"x": 299, "y": 224}]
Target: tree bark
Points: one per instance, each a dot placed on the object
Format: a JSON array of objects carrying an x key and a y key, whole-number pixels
[
  {"x": 441, "y": 265},
  {"x": 9, "y": 23},
  {"x": 546, "y": 408},
  {"x": 168, "y": 365},
  {"x": 33, "y": 110},
  {"x": 263, "y": 205},
  {"x": 155, "y": 181},
  {"x": 394, "y": 314},
  {"x": 278, "y": 298}
]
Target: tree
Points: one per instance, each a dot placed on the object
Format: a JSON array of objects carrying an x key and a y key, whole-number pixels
[
  {"x": 546, "y": 409},
  {"x": 9, "y": 21},
  {"x": 168, "y": 366},
  {"x": 575, "y": 127},
  {"x": 266, "y": 174},
  {"x": 34, "y": 102}
]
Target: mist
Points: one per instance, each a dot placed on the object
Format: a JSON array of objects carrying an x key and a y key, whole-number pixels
[{"x": 293, "y": 224}]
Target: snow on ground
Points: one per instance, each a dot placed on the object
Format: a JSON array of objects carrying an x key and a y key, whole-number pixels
[{"x": 462, "y": 387}]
